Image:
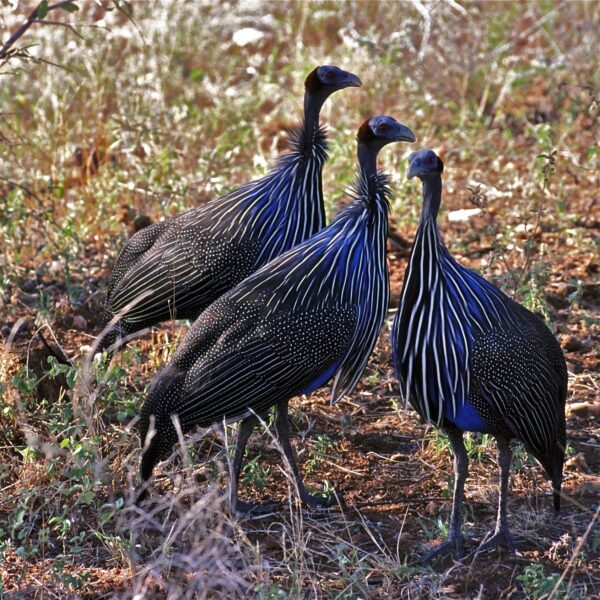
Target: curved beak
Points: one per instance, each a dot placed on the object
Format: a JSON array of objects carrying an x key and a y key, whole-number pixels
[
  {"x": 402, "y": 134},
  {"x": 414, "y": 169},
  {"x": 350, "y": 80}
]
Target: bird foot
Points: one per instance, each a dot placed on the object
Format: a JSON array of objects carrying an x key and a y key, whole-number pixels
[
  {"x": 317, "y": 502},
  {"x": 253, "y": 510},
  {"x": 452, "y": 546},
  {"x": 495, "y": 538}
]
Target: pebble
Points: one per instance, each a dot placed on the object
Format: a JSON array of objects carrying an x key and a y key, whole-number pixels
[
  {"x": 584, "y": 409},
  {"x": 431, "y": 508},
  {"x": 25, "y": 299},
  {"x": 578, "y": 463},
  {"x": 572, "y": 344},
  {"x": 30, "y": 286},
  {"x": 80, "y": 322}
]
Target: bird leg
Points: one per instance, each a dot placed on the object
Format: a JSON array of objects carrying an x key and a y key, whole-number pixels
[
  {"x": 239, "y": 507},
  {"x": 501, "y": 536},
  {"x": 454, "y": 543},
  {"x": 282, "y": 426}
]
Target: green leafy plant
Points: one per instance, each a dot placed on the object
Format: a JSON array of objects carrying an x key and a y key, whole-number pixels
[
  {"x": 317, "y": 453},
  {"x": 254, "y": 474},
  {"x": 537, "y": 584}
]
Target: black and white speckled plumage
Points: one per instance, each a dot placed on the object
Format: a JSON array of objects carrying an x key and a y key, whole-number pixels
[
  {"x": 459, "y": 340},
  {"x": 468, "y": 357},
  {"x": 190, "y": 260},
  {"x": 311, "y": 314}
]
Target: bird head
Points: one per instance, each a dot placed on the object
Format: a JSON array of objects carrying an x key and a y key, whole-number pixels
[
  {"x": 325, "y": 80},
  {"x": 378, "y": 131},
  {"x": 424, "y": 163}
]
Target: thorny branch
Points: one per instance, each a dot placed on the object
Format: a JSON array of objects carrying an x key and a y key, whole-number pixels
[{"x": 7, "y": 51}]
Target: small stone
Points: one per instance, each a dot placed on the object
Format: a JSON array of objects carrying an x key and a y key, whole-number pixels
[
  {"x": 584, "y": 410},
  {"x": 572, "y": 344},
  {"x": 79, "y": 322},
  {"x": 432, "y": 508},
  {"x": 247, "y": 35},
  {"x": 578, "y": 463},
  {"x": 28, "y": 299},
  {"x": 30, "y": 286}
]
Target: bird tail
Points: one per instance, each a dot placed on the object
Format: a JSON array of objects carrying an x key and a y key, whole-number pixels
[
  {"x": 111, "y": 337},
  {"x": 556, "y": 487},
  {"x": 156, "y": 428},
  {"x": 553, "y": 465}
]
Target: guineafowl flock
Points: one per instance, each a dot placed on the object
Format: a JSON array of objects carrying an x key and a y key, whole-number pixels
[{"x": 284, "y": 304}]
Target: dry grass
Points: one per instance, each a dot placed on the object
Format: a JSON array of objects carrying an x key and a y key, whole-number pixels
[{"x": 155, "y": 115}]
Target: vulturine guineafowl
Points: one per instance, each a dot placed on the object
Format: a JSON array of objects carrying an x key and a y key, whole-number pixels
[
  {"x": 175, "y": 268},
  {"x": 310, "y": 315},
  {"x": 471, "y": 359}
]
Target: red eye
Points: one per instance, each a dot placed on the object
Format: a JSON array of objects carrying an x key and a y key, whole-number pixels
[
  {"x": 383, "y": 128},
  {"x": 330, "y": 75}
]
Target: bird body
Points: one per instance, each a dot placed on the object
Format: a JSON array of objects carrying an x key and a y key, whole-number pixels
[
  {"x": 311, "y": 314},
  {"x": 177, "y": 267},
  {"x": 303, "y": 310},
  {"x": 469, "y": 358}
]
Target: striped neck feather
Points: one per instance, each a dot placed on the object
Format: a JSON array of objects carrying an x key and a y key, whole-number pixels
[
  {"x": 286, "y": 206},
  {"x": 443, "y": 306},
  {"x": 353, "y": 272},
  {"x": 372, "y": 190},
  {"x": 343, "y": 266},
  {"x": 308, "y": 142}
]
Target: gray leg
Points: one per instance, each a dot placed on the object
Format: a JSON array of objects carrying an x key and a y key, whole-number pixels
[
  {"x": 239, "y": 507},
  {"x": 282, "y": 425},
  {"x": 501, "y": 535},
  {"x": 454, "y": 543}
]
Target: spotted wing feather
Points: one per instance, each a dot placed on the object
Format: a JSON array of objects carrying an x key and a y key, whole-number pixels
[{"x": 258, "y": 360}]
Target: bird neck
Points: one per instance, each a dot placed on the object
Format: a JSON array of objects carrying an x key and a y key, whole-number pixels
[
  {"x": 367, "y": 160},
  {"x": 312, "y": 109},
  {"x": 432, "y": 197}
]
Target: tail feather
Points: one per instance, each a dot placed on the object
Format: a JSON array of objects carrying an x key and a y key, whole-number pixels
[
  {"x": 158, "y": 445},
  {"x": 553, "y": 465},
  {"x": 556, "y": 488},
  {"x": 111, "y": 335},
  {"x": 110, "y": 341}
]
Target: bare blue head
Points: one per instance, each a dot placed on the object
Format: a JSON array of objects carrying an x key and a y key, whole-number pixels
[
  {"x": 424, "y": 164},
  {"x": 428, "y": 167},
  {"x": 325, "y": 80},
  {"x": 319, "y": 85},
  {"x": 374, "y": 134}
]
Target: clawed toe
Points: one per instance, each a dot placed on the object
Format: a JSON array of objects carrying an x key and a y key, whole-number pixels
[
  {"x": 495, "y": 539},
  {"x": 319, "y": 502},
  {"x": 252, "y": 510},
  {"x": 452, "y": 547}
]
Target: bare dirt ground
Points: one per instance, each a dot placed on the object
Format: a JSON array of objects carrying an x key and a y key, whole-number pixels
[{"x": 392, "y": 474}]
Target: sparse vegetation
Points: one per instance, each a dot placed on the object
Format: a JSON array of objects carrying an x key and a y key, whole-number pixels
[{"x": 126, "y": 111}]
